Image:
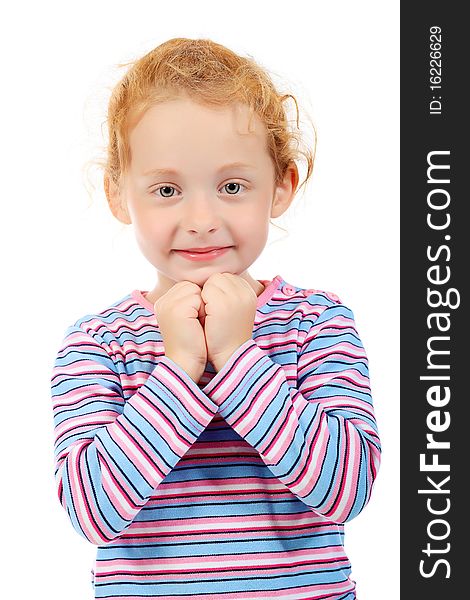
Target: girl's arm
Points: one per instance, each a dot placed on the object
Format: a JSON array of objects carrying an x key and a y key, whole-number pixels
[
  {"x": 319, "y": 439},
  {"x": 111, "y": 453}
]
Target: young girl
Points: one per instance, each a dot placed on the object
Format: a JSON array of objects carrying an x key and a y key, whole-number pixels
[{"x": 213, "y": 434}]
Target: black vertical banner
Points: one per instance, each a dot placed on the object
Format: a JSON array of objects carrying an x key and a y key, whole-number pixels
[{"x": 434, "y": 332}]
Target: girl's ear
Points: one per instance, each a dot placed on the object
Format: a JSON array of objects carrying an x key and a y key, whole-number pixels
[
  {"x": 117, "y": 203},
  {"x": 284, "y": 192}
]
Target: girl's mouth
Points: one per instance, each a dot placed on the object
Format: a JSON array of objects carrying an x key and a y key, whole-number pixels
[{"x": 204, "y": 255}]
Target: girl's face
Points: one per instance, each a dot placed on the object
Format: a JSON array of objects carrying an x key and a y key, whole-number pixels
[{"x": 197, "y": 178}]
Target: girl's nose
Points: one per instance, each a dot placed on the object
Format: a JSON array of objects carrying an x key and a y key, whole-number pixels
[{"x": 201, "y": 214}]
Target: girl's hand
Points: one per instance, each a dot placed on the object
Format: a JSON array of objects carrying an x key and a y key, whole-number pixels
[
  {"x": 230, "y": 306},
  {"x": 178, "y": 312}
]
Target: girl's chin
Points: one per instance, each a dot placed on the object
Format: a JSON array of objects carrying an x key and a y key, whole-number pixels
[{"x": 201, "y": 277}]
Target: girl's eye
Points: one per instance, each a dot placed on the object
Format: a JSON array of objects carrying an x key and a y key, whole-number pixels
[
  {"x": 166, "y": 191},
  {"x": 232, "y": 191}
]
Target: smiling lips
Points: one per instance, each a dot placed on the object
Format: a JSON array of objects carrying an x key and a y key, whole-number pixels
[{"x": 206, "y": 253}]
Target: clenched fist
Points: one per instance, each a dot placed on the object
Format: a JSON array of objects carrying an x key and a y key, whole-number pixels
[
  {"x": 230, "y": 307},
  {"x": 180, "y": 313},
  {"x": 211, "y": 323}
]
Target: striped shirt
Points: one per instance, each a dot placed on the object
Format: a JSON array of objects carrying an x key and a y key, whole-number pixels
[{"x": 235, "y": 487}]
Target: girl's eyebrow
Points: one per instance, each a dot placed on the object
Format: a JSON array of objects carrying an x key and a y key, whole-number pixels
[{"x": 234, "y": 165}]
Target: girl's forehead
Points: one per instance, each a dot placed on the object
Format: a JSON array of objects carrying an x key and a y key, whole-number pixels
[
  {"x": 183, "y": 112},
  {"x": 182, "y": 127}
]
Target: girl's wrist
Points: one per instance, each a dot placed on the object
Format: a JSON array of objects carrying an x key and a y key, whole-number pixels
[{"x": 188, "y": 367}]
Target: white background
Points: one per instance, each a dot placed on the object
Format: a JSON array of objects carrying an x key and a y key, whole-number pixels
[{"x": 62, "y": 258}]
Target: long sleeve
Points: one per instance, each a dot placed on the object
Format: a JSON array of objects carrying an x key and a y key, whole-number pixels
[
  {"x": 319, "y": 439},
  {"x": 111, "y": 453}
]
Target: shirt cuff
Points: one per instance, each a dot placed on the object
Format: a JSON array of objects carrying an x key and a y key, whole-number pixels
[
  {"x": 233, "y": 385},
  {"x": 198, "y": 408}
]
